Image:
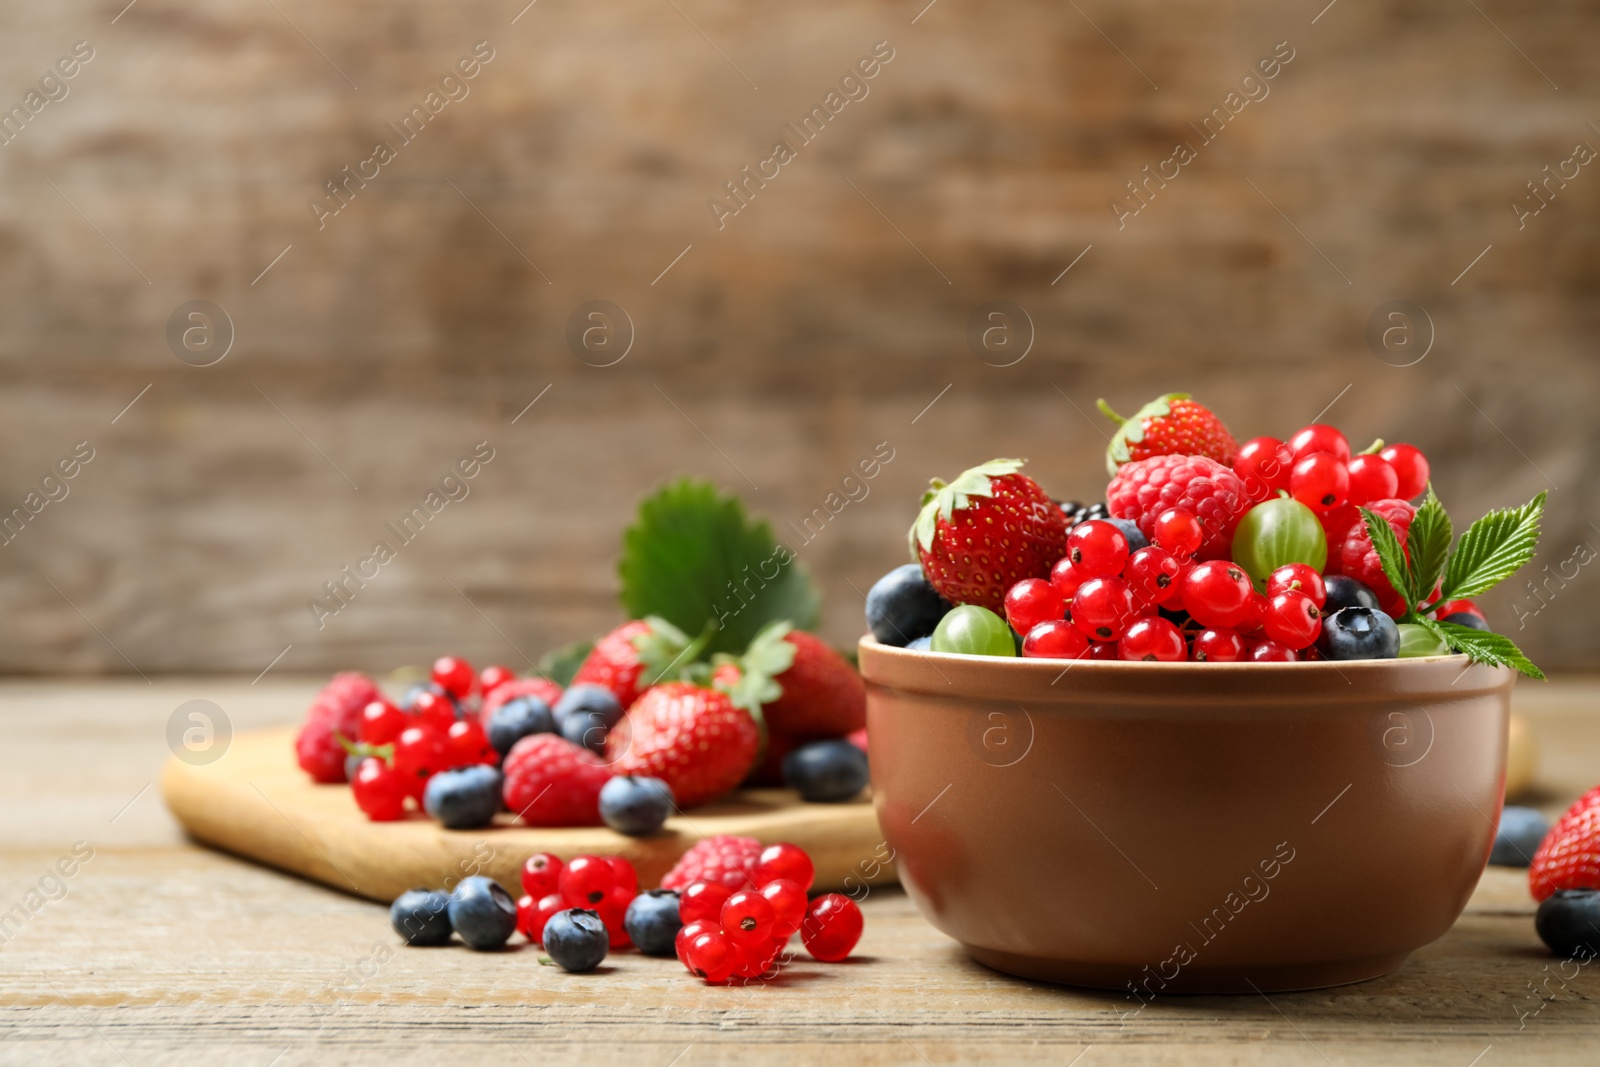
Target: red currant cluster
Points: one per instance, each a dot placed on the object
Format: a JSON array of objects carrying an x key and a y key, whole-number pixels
[
  {"x": 602, "y": 884},
  {"x": 741, "y": 933},
  {"x": 1316, "y": 468}
]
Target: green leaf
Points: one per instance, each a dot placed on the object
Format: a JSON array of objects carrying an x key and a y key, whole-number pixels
[
  {"x": 943, "y": 501},
  {"x": 1428, "y": 546},
  {"x": 1390, "y": 554},
  {"x": 560, "y": 664},
  {"x": 1492, "y": 549},
  {"x": 768, "y": 656},
  {"x": 693, "y": 558},
  {"x": 1497, "y": 650}
]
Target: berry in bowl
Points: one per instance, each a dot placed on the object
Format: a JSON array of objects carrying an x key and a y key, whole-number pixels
[{"x": 1239, "y": 728}]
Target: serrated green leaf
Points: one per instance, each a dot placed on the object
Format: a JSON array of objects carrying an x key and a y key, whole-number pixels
[
  {"x": 693, "y": 557},
  {"x": 1496, "y": 650},
  {"x": 1492, "y": 549},
  {"x": 1428, "y": 547},
  {"x": 768, "y": 656},
  {"x": 1390, "y": 554},
  {"x": 560, "y": 664}
]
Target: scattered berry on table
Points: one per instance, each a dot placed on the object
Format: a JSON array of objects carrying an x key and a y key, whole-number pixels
[
  {"x": 703, "y": 901},
  {"x": 1359, "y": 633},
  {"x": 381, "y": 723},
  {"x": 831, "y": 928},
  {"x": 1293, "y": 620},
  {"x": 789, "y": 902},
  {"x": 1216, "y": 593},
  {"x": 1466, "y": 618},
  {"x": 588, "y": 881},
  {"x": 748, "y": 918},
  {"x": 652, "y": 922},
  {"x": 465, "y": 798},
  {"x": 379, "y": 790},
  {"x": 1218, "y": 646},
  {"x": 971, "y": 630},
  {"x": 903, "y": 606},
  {"x": 1410, "y": 468},
  {"x": 549, "y": 782},
  {"x": 1518, "y": 836},
  {"x": 1567, "y": 921},
  {"x": 1031, "y": 602},
  {"x": 515, "y": 719},
  {"x": 541, "y": 874},
  {"x": 826, "y": 772},
  {"x": 455, "y": 676},
  {"x": 1320, "y": 481},
  {"x": 1097, "y": 549},
  {"x": 335, "y": 712},
  {"x": 419, "y": 753},
  {"x": 1056, "y": 639},
  {"x": 421, "y": 917},
  {"x": 1371, "y": 478},
  {"x": 693, "y": 738},
  {"x": 636, "y": 806},
  {"x": 531, "y": 921},
  {"x": 1154, "y": 639},
  {"x": 1171, "y": 424},
  {"x": 1569, "y": 856},
  {"x": 1320, "y": 438},
  {"x": 586, "y": 730},
  {"x": 1144, "y": 489},
  {"x": 438, "y": 710},
  {"x": 986, "y": 531},
  {"x": 1342, "y": 591},
  {"x": 493, "y": 676},
  {"x": 721, "y": 858},
  {"x": 1300, "y": 578},
  {"x": 787, "y": 861},
  {"x": 618, "y": 660},
  {"x": 708, "y": 954},
  {"x": 465, "y": 744},
  {"x": 576, "y": 939},
  {"x": 482, "y": 912},
  {"x": 588, "y": 699},
  {"x": 1104, "y": 609}
]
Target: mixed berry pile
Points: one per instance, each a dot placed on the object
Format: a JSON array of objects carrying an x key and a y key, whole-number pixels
[
  {"x": 726, "y": 911},
  {"x": 1203, "y": 550}
]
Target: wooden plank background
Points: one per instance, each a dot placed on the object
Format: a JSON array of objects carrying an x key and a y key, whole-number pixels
[{"x": 777, "y": 351}]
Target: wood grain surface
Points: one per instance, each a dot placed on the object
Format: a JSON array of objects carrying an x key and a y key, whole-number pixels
[
  {"x": 163, "y": 952},
  {"x": 256, "y": 802}
]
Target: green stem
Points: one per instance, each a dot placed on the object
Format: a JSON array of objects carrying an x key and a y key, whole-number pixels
[
  {"x": 1105, "y": 409},
  {"x": 1373, "y": 449}
]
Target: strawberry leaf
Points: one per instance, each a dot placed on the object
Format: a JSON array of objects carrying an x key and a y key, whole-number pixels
[
  {"x": 1390, "y": 554},
  {"x": 1492, "y": 549},
  {"x": 1428, "y": 545},
  {"x": 768, "y": 656},
  {"x": 1496, "y": 650},
  {"x": 696, "y": 560}
]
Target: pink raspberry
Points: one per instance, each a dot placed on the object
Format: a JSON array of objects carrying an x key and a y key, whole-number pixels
[
  {"x": 336, "y": 709},
  {"x": 724, "y": 859},
  {"x": 1145, "y": 488},
  {"x": 552, "y": 782},
  {"x": 1357, "y": 558}
]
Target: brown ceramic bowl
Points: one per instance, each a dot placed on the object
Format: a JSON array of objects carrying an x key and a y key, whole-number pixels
[{"x": 1185, "y": 827}]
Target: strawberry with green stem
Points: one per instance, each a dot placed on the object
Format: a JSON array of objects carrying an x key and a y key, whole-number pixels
[{"x": 1170, "y": 425}]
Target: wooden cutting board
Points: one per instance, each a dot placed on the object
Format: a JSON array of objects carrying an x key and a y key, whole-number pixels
[{"x": 256, "y": 802}]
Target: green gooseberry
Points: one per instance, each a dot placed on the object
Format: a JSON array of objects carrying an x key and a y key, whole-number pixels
[{"x": 971, "y": 630}]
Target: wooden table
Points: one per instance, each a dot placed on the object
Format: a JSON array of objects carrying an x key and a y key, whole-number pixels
[{"x": 158, "y": 951}]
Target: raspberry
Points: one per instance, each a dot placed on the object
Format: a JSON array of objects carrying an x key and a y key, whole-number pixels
[
  {"x": 723, "y": 858},
  {"x": 336, "y": 710},
  {"x": 1569, "y": 856},
  {"x": 1215, "y": 495},
  {"x": 1359, "y": 560},
  {"x": 552, "y": 782}
]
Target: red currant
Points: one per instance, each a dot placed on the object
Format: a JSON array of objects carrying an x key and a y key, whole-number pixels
[
  {"x": 1097, "y": 549},
  {"x": 788, "y": 902},
  {"x": 435, "y": 709},
  {"x": 1104, "y": 609},
  {"x": 1301, "y": 578},
  {"x": 455, "y": 676},
  {"x": 379, "y": 790},
  {"x": 702, "y": 900},
  {"x": 1293, "y": 620},
  {"x": 1451, "y": 607},
  {"x": 1267, "y": 650},
  {"x": 1410, "y": 468},
  {"x": 1319, "y": 438},
  {"x": 1104, "y": 650},
  {"x": 1216, "y": 592},
  {"x": 691, "y": 930},
  {"x": 1032, "y": 601},
  {"x": 1320, "y": 481},
  {"x": 381, "y": 722},
  {"x": 1218, "y": 646},
  {"x": 1178, "y": 531},
  {"x": 711, "y": 956},
  {"x": 586, "y": 881},
  {"x": 543, "y": 910},
  {"x": 627, "y": 879},
  {"x": 755, "y": 960},
  {"x": 418, "y": 754},
  {"x": 1153, "y": 575},
  {"x": 1056, "y": 639},
  {"x": 466, "y": 744},
  {"x": 748, "y": 918},
  {"x": 1252, "y": 615},
  {"x": 1371, "y": 478},
  {"x": 832, "y": 927},
  {"x": 490, "y": 677},
  {"x": 1153, "y": 639},
  {"x": 541, "y": 875},
  {"x": 1066, "y": 579},
  {"x": 784, "y": 861},
  {"x": 612, "y": 912},
  {"x": 1263, "y": 465}
]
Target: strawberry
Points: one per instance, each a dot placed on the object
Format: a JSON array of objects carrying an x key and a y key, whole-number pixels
[
  {"x": 1569, "y": 855},
  {"x": 1171, "y": 425},
  {"x": 621, "y": 657},
  {"x": 693, "y": 738},
  {"x": 335, "y": 712},
  {"x": 550, "y": 781},
  {"x": 985, "y": 532}
]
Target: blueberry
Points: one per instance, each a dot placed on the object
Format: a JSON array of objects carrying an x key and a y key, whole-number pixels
[
  {"x": 482, "y": 912},
  {"x": 1466, "y": 618},
  {"x": 1130, "y": 530},
  {"x": 652, "y": 921},
  {"x": 635, "y": 806},
  {"x": 921, "y": 644},
  {"x": 586, "y": 729},
  {"x": 826, "y": 772},
  {"x": 1517, "y": 839},
  {"x": 1569, "y": 922},
  {"x": 516, "y": 719},
  {"x": 589, "y": 699},
  {"x": 421, "y": 916},
  {"x": 902, "y": 606},
  {"x": 576, "y": 939},
  {"x": 1359, "y": 633},
  {"x": 1344, "y": 591},
  {"x": 465, "y": 798}
]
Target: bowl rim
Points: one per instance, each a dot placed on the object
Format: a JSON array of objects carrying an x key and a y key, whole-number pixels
[{"x": 1033, "y": 662}]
